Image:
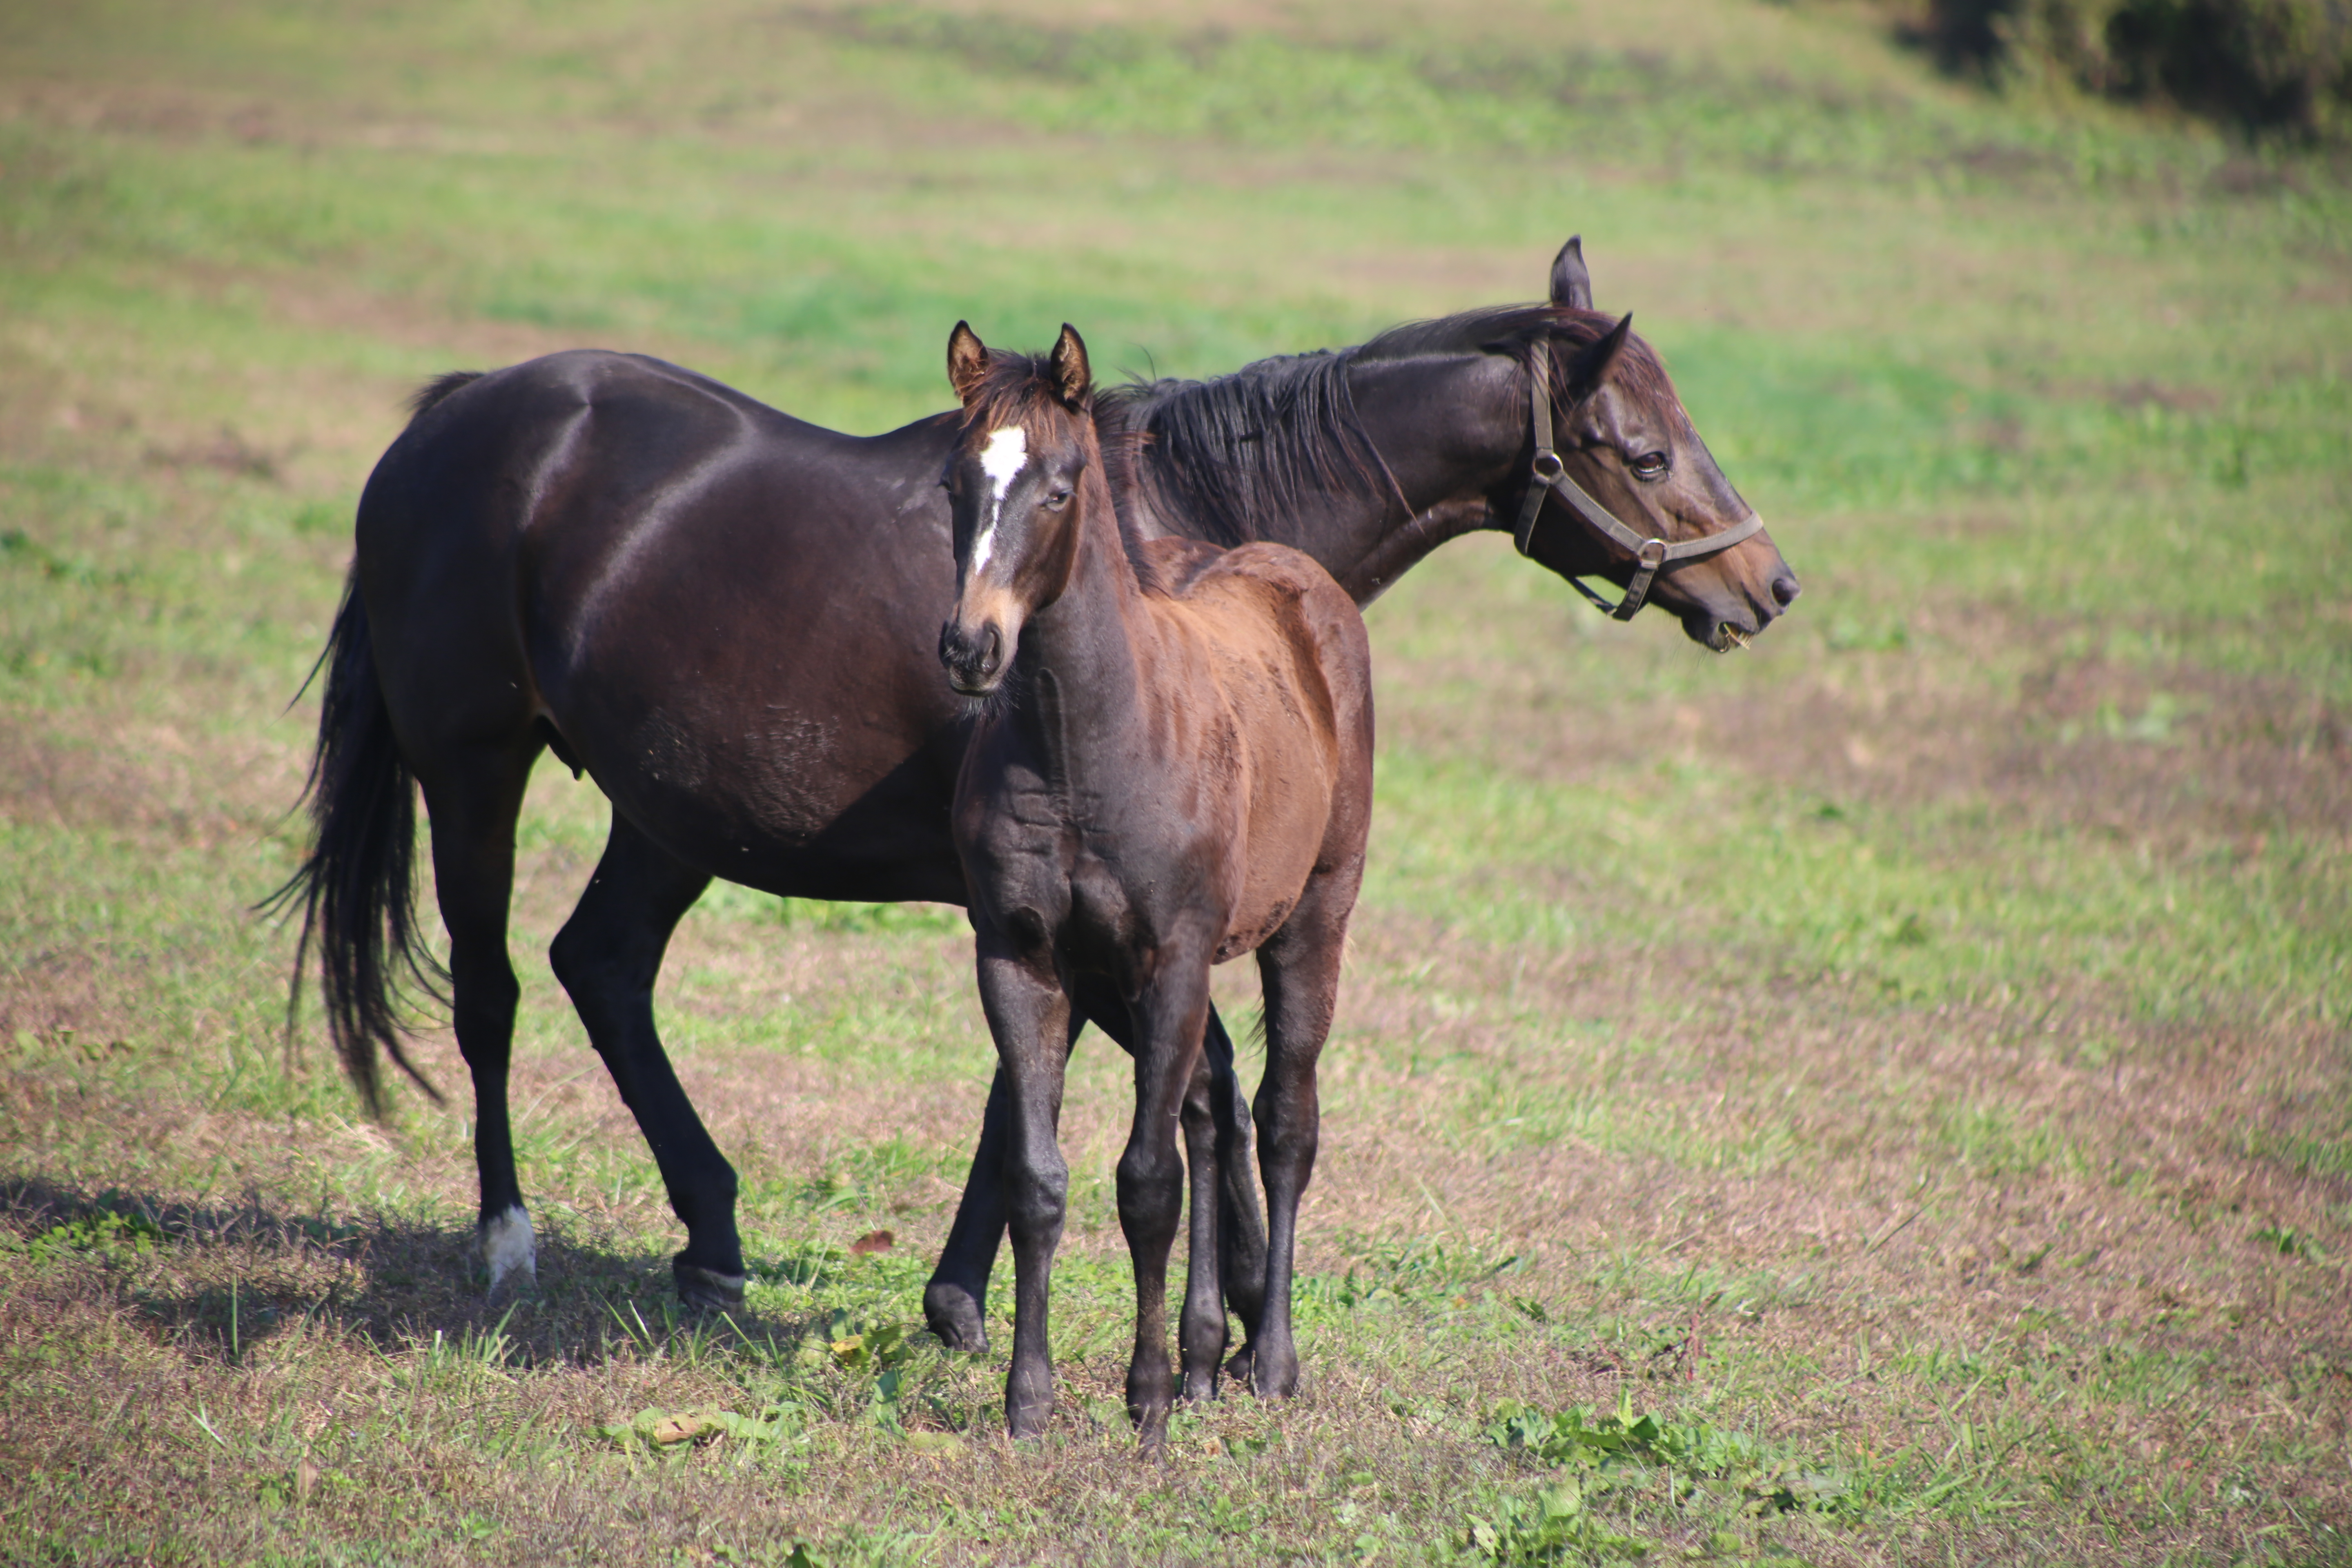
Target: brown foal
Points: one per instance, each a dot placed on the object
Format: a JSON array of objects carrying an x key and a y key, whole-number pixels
[{"x": 1174, "y": 767}]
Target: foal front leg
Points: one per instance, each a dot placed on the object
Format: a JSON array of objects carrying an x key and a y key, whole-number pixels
[
  {"x": 1169, "y": 1017},
  {"x": 1029, "y": 1014}
]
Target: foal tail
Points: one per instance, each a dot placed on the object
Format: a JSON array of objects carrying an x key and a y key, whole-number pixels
[{"x": 358, "y": 888}]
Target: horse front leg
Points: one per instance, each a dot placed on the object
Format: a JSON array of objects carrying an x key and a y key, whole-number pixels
[
  {"x": 1029, "y": 1014},
  {"x": 608, "y": 955},
  {"x": 1201, "y": 1332},
  {"x": 1227, "y": 1251},
  {"x": 1169, "y": 1015},
  {"x": 955, "y": 1302},
  {"x": 1241, "y": 1223}
]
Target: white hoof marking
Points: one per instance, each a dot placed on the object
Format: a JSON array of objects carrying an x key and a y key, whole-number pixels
[{"x": 508, "y": 1249}]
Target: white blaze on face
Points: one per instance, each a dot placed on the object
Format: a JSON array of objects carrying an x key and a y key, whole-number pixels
[{"x": 1007, "y": 454}]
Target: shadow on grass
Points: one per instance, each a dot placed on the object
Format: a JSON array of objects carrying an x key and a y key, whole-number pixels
[{"x": 220, "y": 1279}]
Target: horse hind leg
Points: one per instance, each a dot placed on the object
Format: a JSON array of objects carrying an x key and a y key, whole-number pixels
[{"x": 474, "y": 801}]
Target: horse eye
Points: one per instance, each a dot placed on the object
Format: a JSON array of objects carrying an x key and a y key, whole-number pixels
[
  {"x": 1057, "y": 501},
  {"x": 1650, "y": 465}
]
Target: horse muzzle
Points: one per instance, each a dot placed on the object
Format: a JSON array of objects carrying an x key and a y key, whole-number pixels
[{"x": 973, "y": 657}]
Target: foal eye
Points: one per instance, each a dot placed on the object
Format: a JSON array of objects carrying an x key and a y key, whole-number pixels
[{"x": 1650, "y": 466}]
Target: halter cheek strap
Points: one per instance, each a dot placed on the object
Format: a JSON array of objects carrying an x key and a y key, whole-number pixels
[{"x": 1549, "y": 475}]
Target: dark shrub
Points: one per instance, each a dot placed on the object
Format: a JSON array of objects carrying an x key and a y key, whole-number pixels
[{"x": 2282, "y": 66}]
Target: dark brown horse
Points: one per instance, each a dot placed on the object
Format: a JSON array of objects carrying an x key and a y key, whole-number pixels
[
  {"x": 1179, "y": 771},
  {"x": 728, "y": 618}
]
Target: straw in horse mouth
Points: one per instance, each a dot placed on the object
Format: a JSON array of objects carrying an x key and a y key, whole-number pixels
[{"x": 1733, "y": 637}]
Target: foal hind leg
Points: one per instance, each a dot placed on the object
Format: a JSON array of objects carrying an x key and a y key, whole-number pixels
[
  {"x": 1300, "y": 967},
  {"x": 473, "y": 800},
  {"x": 608, "y": 955}
]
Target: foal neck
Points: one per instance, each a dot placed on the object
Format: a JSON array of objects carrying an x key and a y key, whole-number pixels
[{"x": 1085, "y": 638}]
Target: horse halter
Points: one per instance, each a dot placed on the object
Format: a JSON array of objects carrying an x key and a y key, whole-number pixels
[{"x": 1548, "y": 473}]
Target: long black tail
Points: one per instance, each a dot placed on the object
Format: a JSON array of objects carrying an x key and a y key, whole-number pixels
[{"x": 358, "y": 888}]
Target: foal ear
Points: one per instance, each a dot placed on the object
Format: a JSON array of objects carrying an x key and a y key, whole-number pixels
[
  {"x": 1570, "y": 284},
  {"x": 1593, "y": 365},
  {"x": 967, "y": 362},
  {"x": 1073, "y": 381}
]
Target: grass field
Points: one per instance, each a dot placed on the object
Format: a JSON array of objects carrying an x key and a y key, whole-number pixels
[{"x": 1884, "y": 1098}]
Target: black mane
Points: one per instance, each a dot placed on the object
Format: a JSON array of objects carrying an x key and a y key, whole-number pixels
[
  {"x": 1226, "y": 455},
  {"x": 1229, "y": 455},
  {"x": 1515, "y": 331}
]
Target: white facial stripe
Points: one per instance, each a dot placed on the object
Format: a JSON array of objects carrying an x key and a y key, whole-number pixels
[{"x": 1007, "y": 454}]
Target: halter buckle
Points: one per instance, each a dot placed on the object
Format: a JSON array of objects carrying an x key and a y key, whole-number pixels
[
  {"x": 1644, "y": 554},
  {"x": 1548, "y": 467}
]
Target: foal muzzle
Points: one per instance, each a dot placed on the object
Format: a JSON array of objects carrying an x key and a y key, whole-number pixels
[{"x": 973, "y": 656}]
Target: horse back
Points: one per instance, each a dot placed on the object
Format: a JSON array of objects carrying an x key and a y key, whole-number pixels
[{"x": 726, "y": 614}]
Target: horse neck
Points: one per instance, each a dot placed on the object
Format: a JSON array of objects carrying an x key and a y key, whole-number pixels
[
  {"x": 1451, "y": 430},
  {"x": 1446, "y": 434}
]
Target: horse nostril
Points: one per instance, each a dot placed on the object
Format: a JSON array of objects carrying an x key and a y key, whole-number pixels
[
  {"x": 995, "y": 651},
  {"x": 1785, "y": 589}
]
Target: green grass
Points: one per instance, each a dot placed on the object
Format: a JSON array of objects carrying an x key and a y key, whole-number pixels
[{"x": 1882, "y": 1099}]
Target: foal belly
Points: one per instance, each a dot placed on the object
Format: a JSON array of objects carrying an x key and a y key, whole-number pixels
[{"x": 1272, "y": 879}]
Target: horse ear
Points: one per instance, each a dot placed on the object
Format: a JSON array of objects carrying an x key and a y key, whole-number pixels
[
  {"x": 1073, "y": 380},
  {"x": 967, "y": 362},
  {"x": 1570, "y": 284},
  {"x": 1593, "y": 365}
]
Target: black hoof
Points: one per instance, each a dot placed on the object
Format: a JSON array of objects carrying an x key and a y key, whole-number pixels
[
  {"x": 1268, "y": 1381},
  {"x": 1239, "y": 1367},
  {"x": 706, "y": 1290},
  {"x": 955, "y": 1317}
]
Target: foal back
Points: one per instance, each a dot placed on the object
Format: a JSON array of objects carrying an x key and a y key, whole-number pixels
[{"x": 1278, "y": 715}]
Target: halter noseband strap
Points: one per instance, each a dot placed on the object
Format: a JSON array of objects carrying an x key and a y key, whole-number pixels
[{"x": 1649, "y": 554}]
